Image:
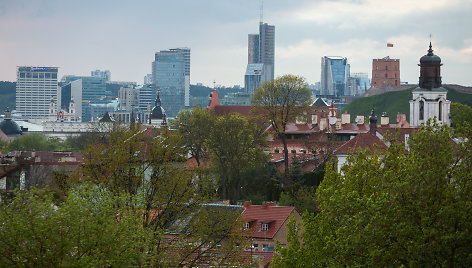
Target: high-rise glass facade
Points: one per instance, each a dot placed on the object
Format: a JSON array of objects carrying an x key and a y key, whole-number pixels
[
  {"x": 171, "y": 76},
  {"x": 334, "y": 74},
  {"x": 35, "y": 88},
  {"x": 92, "y": 91},
  {"x": 261, "y": 50},
  {"x": 254, "y": 77}
]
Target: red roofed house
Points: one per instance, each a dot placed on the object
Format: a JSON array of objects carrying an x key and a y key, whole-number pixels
[
  {"x": 377, "y": 139},
  {"x": 266, "y": 224}
]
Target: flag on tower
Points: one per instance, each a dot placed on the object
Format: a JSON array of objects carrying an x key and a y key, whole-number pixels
[{"x": 389, "y": 44}]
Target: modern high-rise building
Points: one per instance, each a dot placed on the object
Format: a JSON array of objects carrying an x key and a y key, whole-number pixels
[
  {"x": 254, "y": 77},
  {"x": 171, "y": 76},
  {"x": 129, "y": 99},
  {"x": 261, "y": 51},
  {"x": 92, "y": 90},
  {"x": 102, "y": 74},
  {"x": 267, "y": 48},
  {"x": 385, "y": 72},
  {"x": 334, "y": 74},
  {"x": 35, "y": 88},
  {"x": 253, "y": 49},
  {"x": 148, "y": 79}
]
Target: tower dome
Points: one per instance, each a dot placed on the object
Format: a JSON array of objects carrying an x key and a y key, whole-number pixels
[
  {"x": 157, "y": 112},
  {"x": 430, "y": 70},
  {"x": 10, "y": 127}
]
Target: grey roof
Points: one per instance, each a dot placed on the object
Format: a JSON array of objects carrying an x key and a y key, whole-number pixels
[
  {"x": 10, "y": 127},
  {"x": 319, "y": 102},
  {"x": 107, "y": 118}
]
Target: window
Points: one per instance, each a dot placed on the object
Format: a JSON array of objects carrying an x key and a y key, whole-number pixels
[
  {"x": 293, "y": 151},
  {"x": 247, "y": 225},
  {"x": 264, "y": 227},
  {"x": 386, "y": 67},
  {"x": 421, "y": 110},
  {"x": 386, "y": 76},
  {"x": 440, "y": 111},
  {"x": 276, "y": 151},
  {"x": 255, "y": 246}
]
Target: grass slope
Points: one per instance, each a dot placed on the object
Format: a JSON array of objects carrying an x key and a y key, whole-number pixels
[{"x": 395, "y": 102}]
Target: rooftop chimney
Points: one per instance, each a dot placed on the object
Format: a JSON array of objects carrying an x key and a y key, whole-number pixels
[
  {"x": 345, "y": 118},
  {"x": 247, "y": 204},
  {"x": 384, "y": 119},
  {"x": 360, "y": 119}
]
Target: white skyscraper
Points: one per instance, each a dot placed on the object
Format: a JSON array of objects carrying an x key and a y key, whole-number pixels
[{"x": 35, "y": 88}]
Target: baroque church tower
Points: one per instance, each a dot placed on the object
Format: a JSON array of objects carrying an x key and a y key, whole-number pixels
[{"x": 429, "y": 98}]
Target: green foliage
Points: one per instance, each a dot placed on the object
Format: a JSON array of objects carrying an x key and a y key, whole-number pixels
[
  {"x": 396, "y": 102},
  {"x": 8, "y": 93},
  {"x": 36, "y": 142},
  {"x": 283, "y": 100},
  {"x": 150, "y": 171},
  {"x": 235, "y": 145},
  {"x": 460, "y": 113},
  {"x": 391, "y": 103},
  {"x": 393, "y": 209},
  {"x": 195, "y": 126},
  {"x": 88, "y": 229}
]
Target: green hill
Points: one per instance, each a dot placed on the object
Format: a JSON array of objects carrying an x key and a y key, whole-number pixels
[{"x": 396, "y": 102}]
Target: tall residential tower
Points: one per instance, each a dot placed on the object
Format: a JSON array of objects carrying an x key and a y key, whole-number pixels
[{"x": 334, "y": 74}]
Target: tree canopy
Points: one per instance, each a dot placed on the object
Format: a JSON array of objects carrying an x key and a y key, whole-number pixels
[
  {"x": 283, "y": 99},
  {"x": 393, "y": 209}
]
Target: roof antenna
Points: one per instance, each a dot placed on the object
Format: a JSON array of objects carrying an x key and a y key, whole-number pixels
[
  {"x": 214, "y": 84},
  {"x": 262, "y": 12}
]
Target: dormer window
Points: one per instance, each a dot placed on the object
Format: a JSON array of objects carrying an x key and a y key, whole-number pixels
[
  {"x": 264, "y": 227},
  {"x": 247, "y": 225},
  {"x": 276, "y": 151}
]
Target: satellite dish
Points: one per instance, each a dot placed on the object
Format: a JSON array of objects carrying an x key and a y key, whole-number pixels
[{"x": 332, "y": 120}]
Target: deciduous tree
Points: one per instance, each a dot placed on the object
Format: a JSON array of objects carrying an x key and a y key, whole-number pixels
[
  {"x": 283, "y": 100},
  {"x": 392, "y": 209}
]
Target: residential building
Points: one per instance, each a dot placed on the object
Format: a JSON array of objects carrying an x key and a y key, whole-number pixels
[
  {"x": 267, "y": 223},
  {"x": 171, "y": 76},
  {"x": 334, "y": 74},
  {"x": 35, "y": 87},
  {"x": 429, "y": 99},
  {"x": 385, "y": 72}
]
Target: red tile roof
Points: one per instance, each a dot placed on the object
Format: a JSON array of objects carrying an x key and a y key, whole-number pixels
[
  {"x": 361, "y": 141},
  {"x": 269, "y": 213}
]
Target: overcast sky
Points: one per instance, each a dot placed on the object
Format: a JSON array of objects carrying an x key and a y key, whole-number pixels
[{"x": 122, "y": 36}]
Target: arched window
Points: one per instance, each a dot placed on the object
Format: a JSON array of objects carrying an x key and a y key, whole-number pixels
[
  {"x": 421, "y": 110},
  {"x": 440, "y": 111}
]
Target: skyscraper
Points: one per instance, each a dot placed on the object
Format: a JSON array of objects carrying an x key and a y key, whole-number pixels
[
  {"x": 171, "y": 76},
  {"x": 35, "y": 88},
  {"x": 267, "y": 48},
  {"x": 102, "y": 74},
  {"x": 334, "y": 74},
  {"x": 261, "y": 50}
]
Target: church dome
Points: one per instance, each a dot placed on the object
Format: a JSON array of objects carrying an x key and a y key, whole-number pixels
[
  {"x": 430, "y": 58},
  {"x": 10, "y": 127},
  {"x": 157, "y": 112}
]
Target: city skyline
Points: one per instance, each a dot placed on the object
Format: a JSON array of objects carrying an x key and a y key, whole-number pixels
[{"x": 122, "y": 37}]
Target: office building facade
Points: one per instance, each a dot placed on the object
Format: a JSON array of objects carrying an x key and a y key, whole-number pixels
[
  {"x": 35, "y": 88},
  {"x": 92, "y": 90},
  {"x": 171, "y": 76},
  {"x": 334, "y": 74},
  {"x": 254, "y": 77},
  {"x": 261, "y": 58},
  {"x": 101, "y": 74}
]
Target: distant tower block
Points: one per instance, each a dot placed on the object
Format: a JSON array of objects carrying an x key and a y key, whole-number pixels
[{"x": 385, "y": 72}]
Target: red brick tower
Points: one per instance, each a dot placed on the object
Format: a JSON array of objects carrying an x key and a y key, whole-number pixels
[{"x": 385, "y": 72}]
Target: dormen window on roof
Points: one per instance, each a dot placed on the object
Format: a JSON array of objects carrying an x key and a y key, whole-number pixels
[{"x": 265, "y": 226}]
